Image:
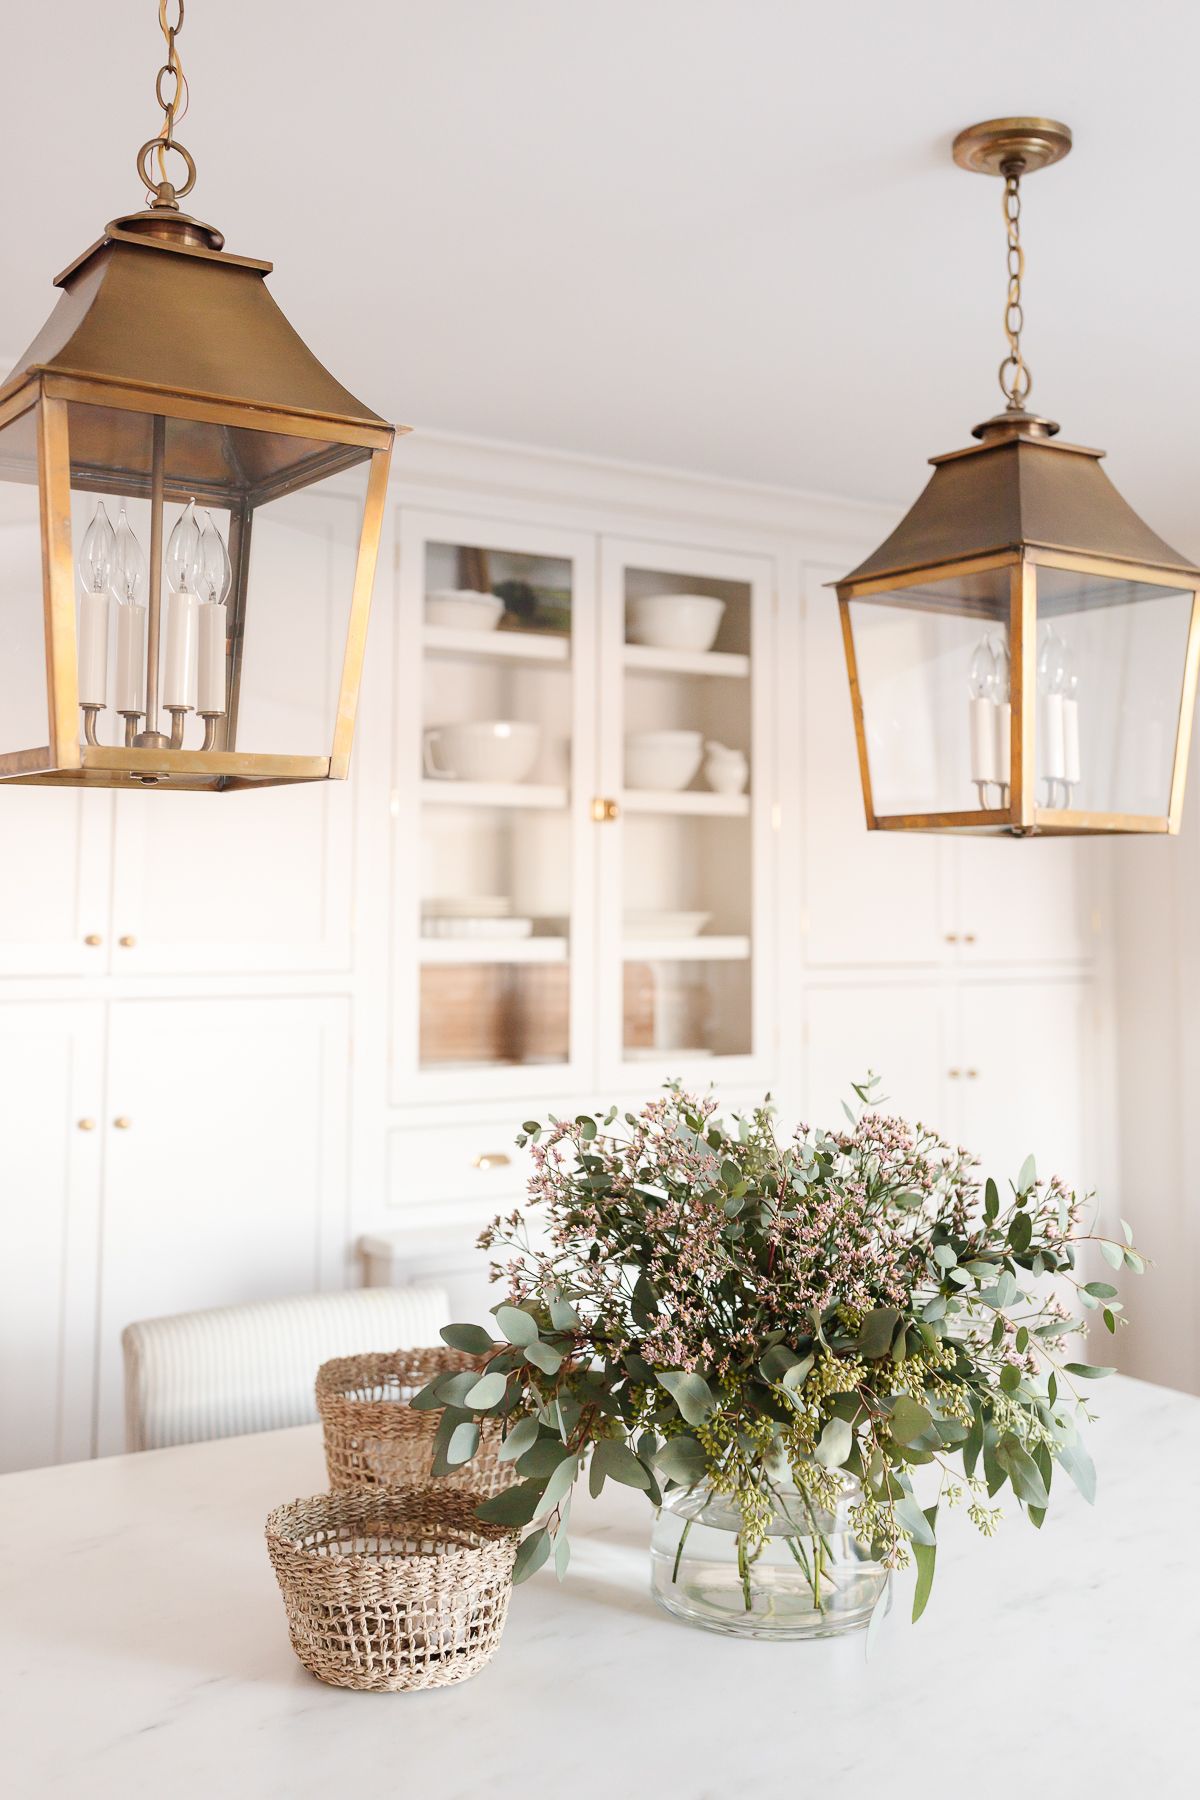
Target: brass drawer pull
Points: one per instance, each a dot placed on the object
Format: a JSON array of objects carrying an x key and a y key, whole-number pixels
[
  {"x": 492, "y": 1159},
  {"x": 127, "y": 943},
  {"x": 92, "y": 939},
  {"x": 87, "y": 1124},
  {"x": 122, "y": 1123}
]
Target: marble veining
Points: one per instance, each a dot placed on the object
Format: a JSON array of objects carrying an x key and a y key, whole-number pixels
[{"x": 143, "y": 1652}]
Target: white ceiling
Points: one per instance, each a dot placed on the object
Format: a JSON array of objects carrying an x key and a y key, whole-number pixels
[{"x": 720, "y": 234}]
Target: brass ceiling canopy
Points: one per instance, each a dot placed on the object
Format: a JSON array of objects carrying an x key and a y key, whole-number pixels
[
  {"x": 1023, "y": 648},
  {"x": 167, "y": 375}
]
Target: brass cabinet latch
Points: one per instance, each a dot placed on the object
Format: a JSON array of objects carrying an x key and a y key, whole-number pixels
[{"x": 605, "y": 812}]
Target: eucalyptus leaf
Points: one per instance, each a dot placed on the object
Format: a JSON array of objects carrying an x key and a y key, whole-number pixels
[
  {"x": 471, "y": 1338},
  {"x": 691, "y": 1394},
  {"x": 516, "y": 1325},
  {"x": 521, "y": 1437},
  {"x": 562, "y": 1553},
  {"x": 1088, "y": 1371},
  {"x": 464, "y": 1442},
  {"x": 544, "y": 1357},
  {"x": 1075, "y": 1459},
  {"x": 531, "y": 1554},
  {"x": 916, "y": 1523},
  {"x": 683, "y": 1460},
  {"x": 1028, "y": 1175},
  {"x": 909, "y": 1419},
  {"x": 512, "y": 1506},
  {"x": 486, "y": 1391},
  {"x": 877, "y": 1330},
  {"x": 1113, "y": 1254},
  {"x": 559, "y": 1485},
  {"x": 925, "y": 1557},
  {"x": 563, "y": 1317},
  {"x": 620, "y": 1464},
  {"x": 834, "y": 1444},
  {"x": 1021, "y": 1470}
]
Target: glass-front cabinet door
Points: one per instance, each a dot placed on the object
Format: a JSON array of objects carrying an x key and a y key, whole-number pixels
[
  {"x": 493, "y": 868},
  {"x": 685, "y": 816}
]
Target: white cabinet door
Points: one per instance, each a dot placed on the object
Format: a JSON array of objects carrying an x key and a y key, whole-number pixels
[
  {"x": 486, "y": 848},
  {"x": 226, "y": 1179},
  {"x": 1022, "y": 1061},
  {"x": 239, "y": 883},
  {"x": 870, "y": 897},
  {"x": 54, "y": 847},
  {"x": 51, "y": 1108},
  {"x": 1021, "y": 901},
  {"x": 898, "y": 1032},
  {"x": 685, "y": 982}
]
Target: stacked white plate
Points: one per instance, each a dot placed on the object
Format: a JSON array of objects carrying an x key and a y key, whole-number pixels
[
  {"x": 479, "y": 916},
  {"x": 665, "y": 924}
]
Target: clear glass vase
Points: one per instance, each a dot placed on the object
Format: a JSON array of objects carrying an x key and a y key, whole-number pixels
[{"x": 809, "y": 1577}]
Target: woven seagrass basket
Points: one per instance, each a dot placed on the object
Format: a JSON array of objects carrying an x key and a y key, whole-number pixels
[
  {"x": 385, "y": 1592},
  {"x": 373, "y": 1438}
]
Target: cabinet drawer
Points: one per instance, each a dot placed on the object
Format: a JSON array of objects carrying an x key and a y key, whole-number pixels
[{"x": 476, "y": 1164}]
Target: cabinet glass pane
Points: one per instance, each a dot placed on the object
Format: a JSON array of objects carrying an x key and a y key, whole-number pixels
[
  {"x": 688, "y": 876},
  {"x": 23, "y": 719},
  {"x": 496, "y": 841},
  {"x": 494, "y": 1014},
  {"x": 686, "y": 1009}
]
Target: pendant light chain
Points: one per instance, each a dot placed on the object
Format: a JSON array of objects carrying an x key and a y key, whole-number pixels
[
  {"x": 171, "y": 92},
  {"x": 1015, "y": 377}
]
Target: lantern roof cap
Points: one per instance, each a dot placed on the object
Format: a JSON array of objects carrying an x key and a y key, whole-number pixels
[
  {"x": 158, "y": 303},
  {"x": 1019, "y": 488}
]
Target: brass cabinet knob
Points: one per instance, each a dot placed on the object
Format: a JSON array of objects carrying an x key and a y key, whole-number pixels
[
  {"x": 972, "y": 1074},
  {"x": 92, "y": 939},
  {"x": 127, "y": 943},
  {"x": 954, "y": 1074},
  {"x": 87, "y": 1124},
  {"x": 605, "y": 812},
  {"x": 122, "y": 1123},
  {"x": 968, "y": 937},
  {"x": 952, "y": 937},
  {"x": 492, "y": 1159}
]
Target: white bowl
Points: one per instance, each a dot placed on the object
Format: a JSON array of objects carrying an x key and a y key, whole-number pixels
[
  {"x": 482, "y": 750},
  {"x": 674, "y": 621},
  {"x": 666, "y": 760},
  {"x": 649, "y": 925},
  {"x": 463, "y": 609}
]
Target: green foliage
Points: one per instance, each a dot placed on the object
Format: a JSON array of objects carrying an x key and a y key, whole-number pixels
[{"x": 714, "y": 1306}]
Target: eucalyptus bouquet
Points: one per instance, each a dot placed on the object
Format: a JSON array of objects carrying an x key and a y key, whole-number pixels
[{"x": 708, "y": 1307}]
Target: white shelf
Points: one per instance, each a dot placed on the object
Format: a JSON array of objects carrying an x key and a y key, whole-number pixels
[
  {"x": 686, "y": 662},
  {"x": 492, "y": 793},
  {"x": 500, "y": 646},
  {"x": 685, "y": 949},
  {"x": 493, "y": 950},
  {"x": 696, "y": 805}
]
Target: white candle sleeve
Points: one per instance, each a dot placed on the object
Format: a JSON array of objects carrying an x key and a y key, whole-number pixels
[
  {"x": 983, "y": 741},
  {"x": 93, "y": 650},
  {"x": 213, "y": 625},
  {"x": 1052, "y": 759},
  {"x": 131, "y": 658},
  {"x": 1004, "y": 742},
  {"x": 1071, "y": 770},
  {"x": 179, "y": 672}
]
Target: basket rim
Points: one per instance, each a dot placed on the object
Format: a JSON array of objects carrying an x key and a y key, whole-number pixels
[
  {"x": 457, "y": 1511},
  {"x": 339, "y": 1377}
]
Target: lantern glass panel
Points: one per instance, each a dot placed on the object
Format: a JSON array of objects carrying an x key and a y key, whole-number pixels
[
  {"x": 24, "y": 720},
  {"x": 303, "y": 555},
  {"x": 1111, "y": 658},
  {"x": 930, "y": 748},
  {"x": 288, "y": 511}
]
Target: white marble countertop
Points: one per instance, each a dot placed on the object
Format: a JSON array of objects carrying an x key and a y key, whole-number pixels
[{"x": 143, "y": 1652}]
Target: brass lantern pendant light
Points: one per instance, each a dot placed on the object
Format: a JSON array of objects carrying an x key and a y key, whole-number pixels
[
  {"x": 1023, "y": 649},
  {"x": 191, "y": 509}
]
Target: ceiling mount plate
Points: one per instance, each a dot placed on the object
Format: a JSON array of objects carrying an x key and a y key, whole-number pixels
[{"x": 1001, "y": 146}]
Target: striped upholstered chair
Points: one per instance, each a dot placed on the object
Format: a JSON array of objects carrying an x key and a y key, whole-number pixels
[{"x": 235, "y": 1369}]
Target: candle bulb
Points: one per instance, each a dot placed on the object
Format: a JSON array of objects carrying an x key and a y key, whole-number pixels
[
  {"x": 128, "y": 585},
  {"x": 1071, "y": 768},
  {"x": 215, "y": 575},
  {"x": 183, "y": 570},
  {"x": 1051, "y": 671},
  {"x": 983, "y": 726},
  {"x": 1001, "y": 695},
  {"x": 96, "y": 555}
]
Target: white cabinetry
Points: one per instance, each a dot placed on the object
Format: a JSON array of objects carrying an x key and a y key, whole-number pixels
[
  {"x": 51, "y": 1153},
  {"x": 225, "y": 1162},
  {"x": 54, "y": 862}
]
